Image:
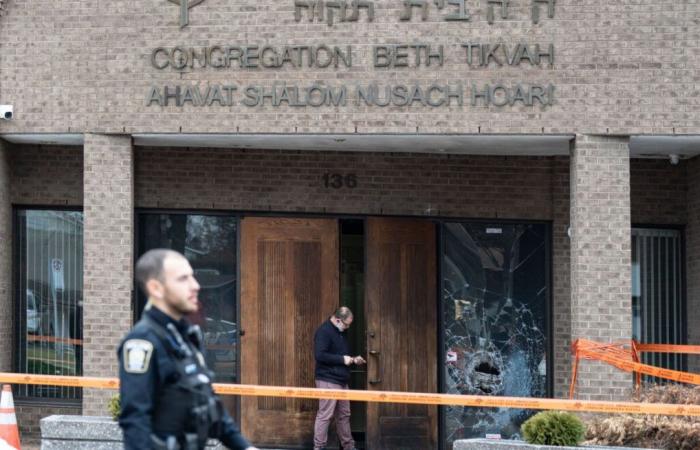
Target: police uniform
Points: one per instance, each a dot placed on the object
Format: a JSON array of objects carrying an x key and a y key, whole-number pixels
[{"x": 167, "y": 401}]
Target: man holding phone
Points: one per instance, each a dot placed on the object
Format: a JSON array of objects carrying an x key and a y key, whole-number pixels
[{"x": 333, "y": 360}]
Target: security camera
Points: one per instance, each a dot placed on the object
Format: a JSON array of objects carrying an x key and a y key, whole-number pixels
[{"x": 6, "y": 112}]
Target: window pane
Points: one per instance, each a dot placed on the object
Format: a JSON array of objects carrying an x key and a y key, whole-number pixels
[
  {"x": 209, "y": 243},
  {"x": 49, "y": 294},
  {"x": 494, "y": 322}
]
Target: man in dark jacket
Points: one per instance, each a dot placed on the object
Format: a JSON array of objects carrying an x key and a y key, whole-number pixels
[{"x": 333, "y": 361}]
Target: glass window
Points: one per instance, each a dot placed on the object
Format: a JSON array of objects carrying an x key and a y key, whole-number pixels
[
  {"x": 658, "y": 299},
  {"x": 209, "y": 242},
  {"x": 49, "y": 294},
  {"x": 494, "y": 322}
]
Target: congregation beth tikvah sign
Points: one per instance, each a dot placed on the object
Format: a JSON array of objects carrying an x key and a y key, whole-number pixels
[{"x": 395, "y": 57}]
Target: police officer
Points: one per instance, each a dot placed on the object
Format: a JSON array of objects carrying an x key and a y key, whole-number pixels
[{"x": 167, "y": 401}]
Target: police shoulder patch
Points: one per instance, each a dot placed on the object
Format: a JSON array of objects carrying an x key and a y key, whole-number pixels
[{"x": 137, "y": 355}]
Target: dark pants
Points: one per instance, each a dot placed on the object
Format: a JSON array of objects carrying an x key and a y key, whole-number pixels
[{"x": 327, "y": 409}]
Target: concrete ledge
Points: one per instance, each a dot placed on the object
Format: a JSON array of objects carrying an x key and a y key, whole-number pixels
[
  {"x": 87, "y": 433},
  {"x": 494, "y": 444}
]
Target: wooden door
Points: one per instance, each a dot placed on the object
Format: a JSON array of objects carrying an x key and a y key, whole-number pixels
[
  {"x": 289, "y": 286},
  {"x": 401, "y": 331}
]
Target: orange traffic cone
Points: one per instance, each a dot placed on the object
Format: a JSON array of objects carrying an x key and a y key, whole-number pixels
[{"x": 9, "y": 434}]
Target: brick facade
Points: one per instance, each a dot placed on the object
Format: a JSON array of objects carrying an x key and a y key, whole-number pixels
[
  {"x": 28, "y": 417},
  {"x": 612, "y": 72},
  {"x": 600, "y": 257},
  {"x": 658, "y": 192},
  {"x": 388, "y": 183},
  {"x": 85, "y": 67},
  {"x": 47, "y": 175},
  {"x": 6, "y": 318},
  {"x": 108, "y": 258},
  {"x": 468, "y": 187}
]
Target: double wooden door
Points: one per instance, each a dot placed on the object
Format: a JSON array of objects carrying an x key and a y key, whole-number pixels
[{"x": 289, "y": 286}]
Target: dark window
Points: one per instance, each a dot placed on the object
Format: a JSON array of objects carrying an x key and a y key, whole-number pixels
[
  {"x": 658, "y": 299},
  {"x": 209, "y": 242},
  {"x": 48, "y": 295},
  {"x": 352, "y": 289}
]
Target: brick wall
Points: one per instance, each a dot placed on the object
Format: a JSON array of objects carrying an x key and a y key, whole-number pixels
[
  {"x": 658, "y": 192},
  {"x": 600, "y": 257},
  {"x": 108, "y": 258},
  {"x": 388, "y": 183},
  {"x": 613, "y": 69},
  {"x": 47, "y": 175},
  {"x": 28, "y": 417},
  {"x": 693, "y": 259},
  {"x": 6, "y": 318},
  {"x": 561, "y": 276}
]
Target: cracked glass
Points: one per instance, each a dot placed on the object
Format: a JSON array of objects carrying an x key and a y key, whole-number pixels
[{"x": 494, "y": 322}]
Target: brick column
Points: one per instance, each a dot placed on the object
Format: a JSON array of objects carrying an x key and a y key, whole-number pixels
[
  {"x": 693, "y": 260},
  {"x": 601, "y": 306},
  {"x": 6, "y": 319},
  {"x": 561, "y": 274},
  {"x": 108, "y": 258}
]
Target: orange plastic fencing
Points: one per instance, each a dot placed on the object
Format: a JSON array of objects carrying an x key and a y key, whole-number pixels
[
  {"x": 386, "y": 396},
  {"x": 626, "y": 357}
]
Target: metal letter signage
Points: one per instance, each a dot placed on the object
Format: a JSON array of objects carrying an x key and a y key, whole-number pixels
[
  {"x": 185, "y": 6},
  {"x": 397, "y": 57}
]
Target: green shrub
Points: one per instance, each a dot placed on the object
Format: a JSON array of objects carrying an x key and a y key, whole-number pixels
[
  {"x": 553, "y": 428},
  {"x": 114, "y": 406}
]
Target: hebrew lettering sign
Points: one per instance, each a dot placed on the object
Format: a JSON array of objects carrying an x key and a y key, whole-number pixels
[{"x": 472, "y": 55}]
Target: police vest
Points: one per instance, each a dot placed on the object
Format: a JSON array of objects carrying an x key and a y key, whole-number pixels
[{"x": 186, "y": 403}]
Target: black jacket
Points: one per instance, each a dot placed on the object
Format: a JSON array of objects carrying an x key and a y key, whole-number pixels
[
  {"x": 329, "y": 347},
  {"x": 147, "y": 366}
]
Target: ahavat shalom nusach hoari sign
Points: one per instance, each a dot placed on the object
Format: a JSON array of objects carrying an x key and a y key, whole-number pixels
[{"x": 396, "y": 57}]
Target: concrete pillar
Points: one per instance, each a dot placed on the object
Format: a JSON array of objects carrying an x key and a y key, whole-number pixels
[
  {"x": 6, "y": 319},
  {"x": 692, "y": 235},
  {"x": 601, "y": 305},
  {"x": 108, "y": 258}
]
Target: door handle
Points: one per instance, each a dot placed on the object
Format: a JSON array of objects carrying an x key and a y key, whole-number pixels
[{"x": 378, "y": 379}]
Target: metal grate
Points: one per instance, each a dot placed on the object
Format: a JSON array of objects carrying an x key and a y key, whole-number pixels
[
  {"x": 49, "y": 291},
  {"x": 658, "y": 299}
]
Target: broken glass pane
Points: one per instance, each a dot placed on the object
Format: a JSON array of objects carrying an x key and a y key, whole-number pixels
[{"x": 495, "y": 295}]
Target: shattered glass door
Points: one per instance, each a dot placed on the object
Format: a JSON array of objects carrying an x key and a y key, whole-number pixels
[{"x": 495, "y": 298}]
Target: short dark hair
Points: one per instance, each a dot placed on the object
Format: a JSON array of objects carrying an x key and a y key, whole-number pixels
[
  {"x": 150, "y": 265},
  {"x": 342, "y": 313}
]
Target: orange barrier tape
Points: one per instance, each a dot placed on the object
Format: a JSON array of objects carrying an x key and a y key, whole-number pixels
[
  {"x": 668, "y": 348},
  {"x": 37, "y": 338},
  {"x": 58, "y": 380},
  {"x": 627, "y": 359},
  {"x": 386, "y": 396},
  {"x": 632, "y": 366}
]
